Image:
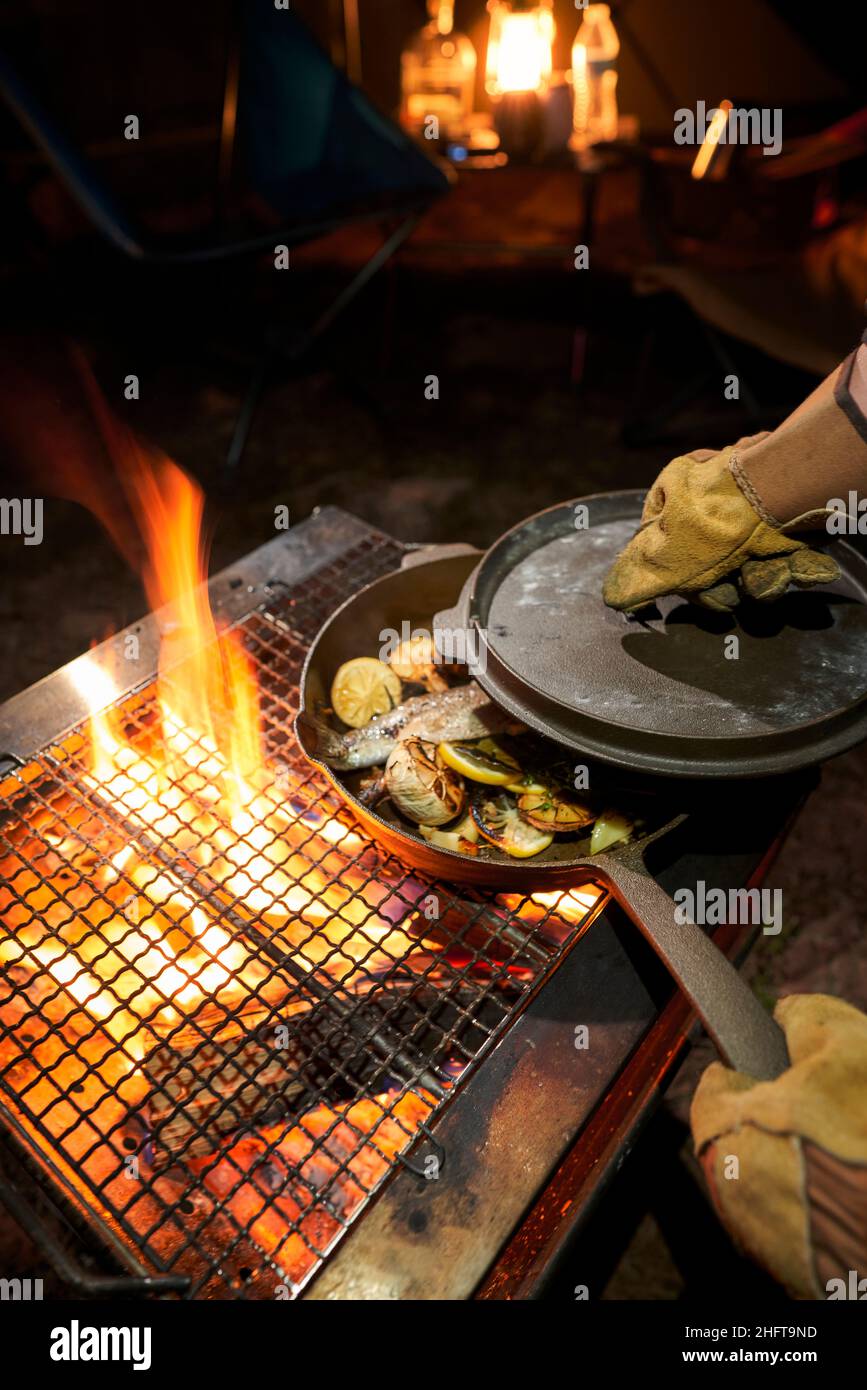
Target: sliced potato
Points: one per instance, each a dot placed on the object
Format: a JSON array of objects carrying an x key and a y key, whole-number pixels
[
  {"x": 363, "y": 688},
  {"x": 610, "y": 829},
  {"x": 555, "y": 811},
  {"x": 483, "y": 761},
  {"x": 462, "y": 838},
  {"x": 499, "y": 820}
]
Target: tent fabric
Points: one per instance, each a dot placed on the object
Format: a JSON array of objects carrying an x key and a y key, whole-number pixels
[{"x": 309, "y": 139}]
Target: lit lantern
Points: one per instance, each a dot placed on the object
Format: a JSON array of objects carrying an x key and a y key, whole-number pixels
[{"x": 519, "y": 47}]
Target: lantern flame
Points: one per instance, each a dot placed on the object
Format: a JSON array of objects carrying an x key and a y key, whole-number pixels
[{"x": 519, "y": 49}]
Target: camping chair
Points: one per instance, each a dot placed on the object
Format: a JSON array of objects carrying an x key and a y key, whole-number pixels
[{"x": 301, "y": 149}]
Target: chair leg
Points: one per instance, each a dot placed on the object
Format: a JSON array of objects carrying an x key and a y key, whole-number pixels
[
  {"x": 364, "y": 276},
  {"x": 656, "y": 424},
  {"x": 720, "y": 351},
  {"x": 303, "y": 342},
  {"x": 244, "y": 419},
  {"x": 648, "y": 426}
]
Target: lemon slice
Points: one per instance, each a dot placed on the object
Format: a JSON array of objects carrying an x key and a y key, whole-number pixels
[
  {"x": 363, "y": 688},
  {"x": 481, "y": 762},
  {"x": 526, "y": 783}
]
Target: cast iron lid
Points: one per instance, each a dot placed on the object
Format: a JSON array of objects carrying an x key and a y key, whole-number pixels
[{"x": 670, "y": 692}]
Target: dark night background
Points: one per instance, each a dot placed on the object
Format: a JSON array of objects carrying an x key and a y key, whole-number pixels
[{"x": 539, "y": 366}]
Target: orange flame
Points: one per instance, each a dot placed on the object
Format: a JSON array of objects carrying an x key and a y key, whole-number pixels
[
  {"x": 196, "y": 799},
  {"x": 207, "y": 691}
]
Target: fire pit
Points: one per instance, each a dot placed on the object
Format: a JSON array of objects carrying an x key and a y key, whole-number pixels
[{"x": 229, "y": 1021}]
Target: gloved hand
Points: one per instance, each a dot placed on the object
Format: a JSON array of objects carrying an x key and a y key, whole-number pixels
[
  {"x": 716, "y": 523},
  {"x": 699, "y": 535},
  {"x": 796, "y": 1197}
]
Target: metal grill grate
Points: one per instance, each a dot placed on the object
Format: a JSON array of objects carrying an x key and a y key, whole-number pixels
[{"x": 222, "y": 1038}]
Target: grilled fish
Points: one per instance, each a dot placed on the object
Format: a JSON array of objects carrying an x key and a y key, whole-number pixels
[{"x": 464, "y": 713}]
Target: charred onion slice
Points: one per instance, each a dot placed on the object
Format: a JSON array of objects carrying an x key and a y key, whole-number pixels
[
  {"x": 414, "y": 661},
  {"x": 554, "y": 811},
  {"x": 421, "y": 785},
  {"x": 462, "y": 838},
  {"x": 483, "y": 761},
  {"x": 500, "y": 822}
]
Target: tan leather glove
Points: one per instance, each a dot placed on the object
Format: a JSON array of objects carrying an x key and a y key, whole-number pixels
[
  {"x": 718, "y": 524},
  {"x": 786, "y": 1160}
]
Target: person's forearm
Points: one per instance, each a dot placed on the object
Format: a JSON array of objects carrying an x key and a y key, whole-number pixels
[
  {"x": 848, "y": 381},
  {"x": 818, "y": 454}
]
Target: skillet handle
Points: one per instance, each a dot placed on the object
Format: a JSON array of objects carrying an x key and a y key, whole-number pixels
[{"x": 746, "y": 1037}]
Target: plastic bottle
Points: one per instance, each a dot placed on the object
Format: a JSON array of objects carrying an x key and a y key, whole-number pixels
[{"x": 594, "y": 77}]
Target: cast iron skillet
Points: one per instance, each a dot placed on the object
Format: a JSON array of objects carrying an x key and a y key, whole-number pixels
[{"x": 429, "y": 581}]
